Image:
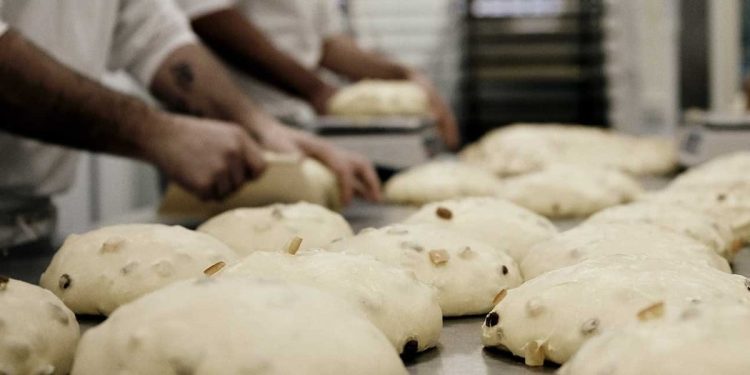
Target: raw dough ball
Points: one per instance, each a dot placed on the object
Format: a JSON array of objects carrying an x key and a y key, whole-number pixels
[
  {"x": 697, "y": 225},
  {"x": 380, "y": 98},
  {"x": 467, "y": 273},
  {"x": 236, "y": 326},
  {"x": 38, "y": 334},
  {"x": 406, "y": 310},
  {"x": 271, "y": 228},
  {"x": 551, "y": 316},
  {"x": 562, "y": 191},
  {"x": 492, "y": 220},
  {"x": 440, "y": 180},
  {"x": 694, "y": 340},
  {"x": 724, "y": 169},
  {"x": 96, "y": 272},
  {"x": 604, "y": 240}
]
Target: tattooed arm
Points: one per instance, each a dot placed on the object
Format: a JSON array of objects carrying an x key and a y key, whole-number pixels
[
  {"x": 43, "y": 99},
  {"x": 192, "y": 81}
]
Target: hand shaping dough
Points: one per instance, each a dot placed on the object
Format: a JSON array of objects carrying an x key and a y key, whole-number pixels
[
  {"x": 271, "y": 228},
  {"x": 467, "y": 273},
  {"x": 563, "y": 191},
  {"x": 491, "y": 220},
  {"x": 604, "y": 240},
  {"x": 287, "y": 179},
  {"x": 406, "y": 310},
  {"x": 38, "y": 334},
  {"x": 440, "y": 180},
  {"x": 551, "y": 316},
  {"x": 693, "y": 340},
  {"x": 96, "y": 272},
  {"x": 702, "y": 227},
  {"x": 380, "y": 98},
  {"x": 236, "y": 326}
]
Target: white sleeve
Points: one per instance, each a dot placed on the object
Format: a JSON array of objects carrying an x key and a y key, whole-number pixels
[
  {"x": 147, "y": 32},
  {"x": 3, "y": 25},
  {"x": 331, "y": 18},
  {"x": 197, "y": 8}
]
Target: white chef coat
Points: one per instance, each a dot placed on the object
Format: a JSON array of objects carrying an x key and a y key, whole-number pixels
[
  {"x": 296, "y": 27},
  {"x": 89, "y": 36}
]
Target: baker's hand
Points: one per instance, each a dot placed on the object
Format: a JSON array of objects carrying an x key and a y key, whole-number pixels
[
  {"x": 321, "y": 98},
  {"x": 209, "y": 158},
  {"x": 446, "y": 120},
  {"x": 355, "y": 174}
]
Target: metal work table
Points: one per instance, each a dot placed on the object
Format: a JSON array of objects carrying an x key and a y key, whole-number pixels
[{"x": 460, "y": 350}]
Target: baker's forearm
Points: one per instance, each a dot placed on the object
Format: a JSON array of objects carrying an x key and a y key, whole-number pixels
[
  {"x": 248, "y": 49},
  {"x": 43, "y": 99},
  {"x": 342, "y": 55}
]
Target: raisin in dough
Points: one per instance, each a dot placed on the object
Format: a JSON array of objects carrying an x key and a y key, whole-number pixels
[
  {"x": 604, "y": 240},
  {"x": 467, "y": 273},
  {"x": 236, "y": 326},
  {"x": 369, "y": 97},
  {"x": 492, "y": 220},
  {"x": 440, "y": 180},
  {"x": 405, "y": 309},
  {"x": 551, "y": 316},
  {"x": 38, "y": 334},
  {"x": 272, "y": 228},
  {"x": 563, "y": 191},
  {"x": 694, "y": 340},
  {"x": 96, "y": 272},
  {"x": 697, "y": 225}
]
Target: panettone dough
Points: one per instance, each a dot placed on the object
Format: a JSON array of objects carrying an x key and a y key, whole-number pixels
[
  {"x": 467, "y": 273},
  {"x": 236, "y": 326},
  {"x": 493, "y": 220},
  {"x": 405, "y": 309},
  {"x": 440, "y": 180},
  {"x": 380, "y": 98},
  {"x": 96, "y": 272},
  {"x": 562, "y": 191},
  {"x": 695, "y": 340},
  {"x": 38, "y": 334},
  {"x": 606, "y": 239},
  {"x": 551, "y": 316},
  {"x": 271, "y": 228}
]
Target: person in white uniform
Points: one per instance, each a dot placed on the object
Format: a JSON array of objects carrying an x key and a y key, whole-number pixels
[
  {"x": 52, "y": 55},
  {"x": 283, "y": 44}
]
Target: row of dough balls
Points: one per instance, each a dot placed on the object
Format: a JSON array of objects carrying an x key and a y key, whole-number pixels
[
  {"x": 557, "y": 191},
  {"x": 628, "y": 281},
  {"x": 524, "y": 148}
]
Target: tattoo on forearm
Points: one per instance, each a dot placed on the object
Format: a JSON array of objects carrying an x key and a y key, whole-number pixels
[{"x": 183, "y": 75}]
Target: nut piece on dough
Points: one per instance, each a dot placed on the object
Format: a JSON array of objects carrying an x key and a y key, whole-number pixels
[
  {"x": 237, "y": 325},
  {"x": 466, "y": 280},
  {"x": 96, "y": 272},
  {"x": 492, "y": 220},
  {"x": 271, "y": 228},
  {"x": 602, "y": 240},
  {"x": 610, "y": 291},
  {"x": 694, "y": 340},
  {"x": 405, "y": 309},
  {"x": 38, "y": 334}
]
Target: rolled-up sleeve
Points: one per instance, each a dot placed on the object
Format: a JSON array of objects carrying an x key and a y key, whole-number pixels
[
  {"x": 330, "y": 18},
  {"x": 198, "y": 8},
  {"x": 147, "y": 32},
  {"x": 3, "y": 25}
]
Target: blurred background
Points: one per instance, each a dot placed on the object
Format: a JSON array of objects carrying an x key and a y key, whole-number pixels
[{"x": 640, "y": 66}]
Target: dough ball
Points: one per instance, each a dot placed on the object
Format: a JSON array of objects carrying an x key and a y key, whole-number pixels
[
  {"x": 467, "y": 273},
  {"x": 380, "y": 98},
  {"x": 440, "y": 180},
  {"x": 96, "y": 272},
  {"x": 702, "y": 227},
  {"x": 406, "y": 310},
  {"x": 491, "y": 220},
  {"x": 724, "y": 169},
  {"x": 551, "y": 316},
  {"x": 272, "y": 228},
  {"x": 604, "y": 240},
  {"x": 38, "y": 334},
  {"x": 694, "y": 340},
  {"x": 236, "y": 326},
  {"x": 563, "y": 191}
]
